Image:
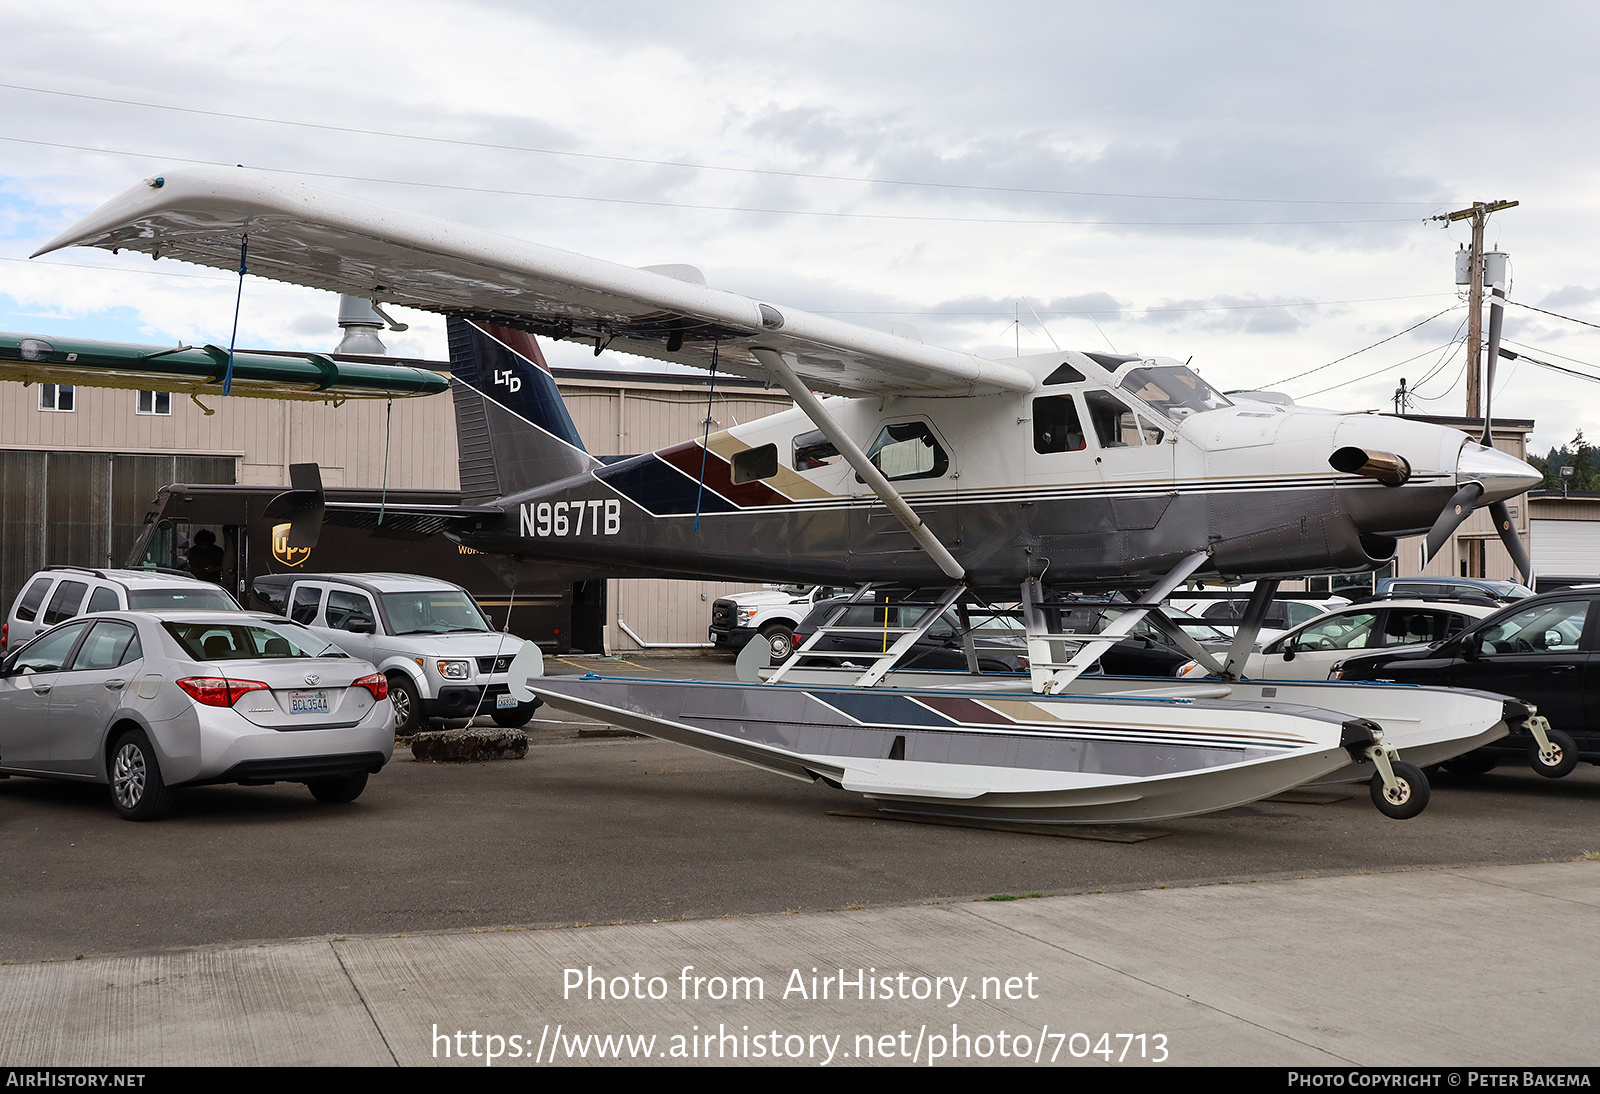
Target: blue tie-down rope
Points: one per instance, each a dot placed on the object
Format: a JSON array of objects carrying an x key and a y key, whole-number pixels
[{"x": 227, "y": 377}]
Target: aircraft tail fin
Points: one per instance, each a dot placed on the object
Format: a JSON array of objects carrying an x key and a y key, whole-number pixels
[{"x": 513, "y": 430}]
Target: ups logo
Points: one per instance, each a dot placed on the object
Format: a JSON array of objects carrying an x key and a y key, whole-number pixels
[{"x": 289, "y": 556}]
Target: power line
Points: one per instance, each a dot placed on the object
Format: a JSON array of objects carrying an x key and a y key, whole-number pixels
[
  {"x": 1378, "y": 372},
  {"x": 1364, "y": 349},
  {"x": 724, "y": 208},
  {"x": 1147, "y": 311},
  {"x": 1558, "y": 315},
  {"x": 1552, "y": 353},
  {"x": 458, "y": 142},
  {"x": 817, "y": 311}
]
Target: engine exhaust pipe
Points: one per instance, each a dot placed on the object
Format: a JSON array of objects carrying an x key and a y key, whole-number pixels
[{"x": 1389, "y": 468}]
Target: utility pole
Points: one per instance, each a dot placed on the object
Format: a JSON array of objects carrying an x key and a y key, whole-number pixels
[{"x": 1478, "y": 212}]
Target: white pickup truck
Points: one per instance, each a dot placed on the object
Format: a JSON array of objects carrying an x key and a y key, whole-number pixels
[
  {"x": 772, "y": 612},
  {"x": 441, "y": 656}
]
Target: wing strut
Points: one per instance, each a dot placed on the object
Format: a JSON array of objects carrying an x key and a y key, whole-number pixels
[{"x": 806, "y": 401}]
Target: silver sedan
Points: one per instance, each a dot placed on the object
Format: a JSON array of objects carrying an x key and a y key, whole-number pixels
[{"x": 145, "y": 702}]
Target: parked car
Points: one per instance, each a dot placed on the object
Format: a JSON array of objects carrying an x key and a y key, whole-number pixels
[
  {"x": 441, "y": 657},
  {"x": 147, "y": 702},
  {"x": 1539, "y": 650},
  {"x": 1282, "y": 613},
  {"x": 1501, "y": 591},
  {"x": 1000, "y": 640},
  {"x": 1001, "y": 646},
  {"x": 772, "y": 613},
  {"x": 58, "y": 593},
  {"x": 1310, "y": 651}
]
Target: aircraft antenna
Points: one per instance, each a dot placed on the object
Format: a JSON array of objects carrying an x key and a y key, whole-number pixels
[{"x": 1044, "y": 328}]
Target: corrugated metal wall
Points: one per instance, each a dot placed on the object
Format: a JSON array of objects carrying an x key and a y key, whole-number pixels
[
  {"x": 614, "y": 421},
  {"x": 83, "y": 508},
  {"x": 97, "y": 455}
]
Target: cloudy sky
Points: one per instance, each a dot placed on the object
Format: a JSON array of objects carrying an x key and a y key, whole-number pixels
[{"x": 1246, "y": 183}]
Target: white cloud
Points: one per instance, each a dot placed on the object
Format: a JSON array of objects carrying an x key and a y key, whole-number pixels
[{"x": 1363, "y": 102}]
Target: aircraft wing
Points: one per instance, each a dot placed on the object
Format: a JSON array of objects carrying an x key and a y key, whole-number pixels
[{"x": 323, "y": 240}]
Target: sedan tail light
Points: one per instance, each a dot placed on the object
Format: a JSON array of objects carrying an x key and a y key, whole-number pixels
[
  {"x": 218, "y": 691},
  {"x": 377, "y": 683}
]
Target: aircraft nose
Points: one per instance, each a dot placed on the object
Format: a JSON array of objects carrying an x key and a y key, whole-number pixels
[{"x": 1503, "y": 475}]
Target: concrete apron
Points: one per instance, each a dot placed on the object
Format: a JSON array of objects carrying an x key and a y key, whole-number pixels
[{"x": 1486, "y": 966}]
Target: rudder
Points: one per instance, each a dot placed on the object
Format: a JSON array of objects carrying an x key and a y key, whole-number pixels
[{"x": 513, "y": 430}]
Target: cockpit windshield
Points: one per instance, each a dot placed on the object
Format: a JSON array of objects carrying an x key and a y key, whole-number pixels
[{"x": 1173, "y": 390}]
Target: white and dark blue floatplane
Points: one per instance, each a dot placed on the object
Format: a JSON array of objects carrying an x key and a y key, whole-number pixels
[{"x": 908, "y": 464}]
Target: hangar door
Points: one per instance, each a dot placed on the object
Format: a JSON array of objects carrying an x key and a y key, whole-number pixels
[
  {"x": 1564, "y": 546},
  {"x": 83, "y": 508}
]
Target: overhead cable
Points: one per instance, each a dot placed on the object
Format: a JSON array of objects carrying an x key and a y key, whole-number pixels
[
  {"x": 1558, "y": 315},
  {"x": 457, "y": 141},
  {"x": 1378, "y": 372},
  {"x": 1364, "y": 349},
  {"x": 724, "y": 208}
]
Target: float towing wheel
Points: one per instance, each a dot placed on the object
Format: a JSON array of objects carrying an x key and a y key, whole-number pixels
[
  {"x": 1407, "y": 798},
  {"x": 1556, "y": 761}
]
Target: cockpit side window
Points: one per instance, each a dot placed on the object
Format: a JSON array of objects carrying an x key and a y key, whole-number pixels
[
  {"x": 1056, "y": 427},
  {"x": 1173, "y": 390},
  {"x": 1114, "y": 423}
]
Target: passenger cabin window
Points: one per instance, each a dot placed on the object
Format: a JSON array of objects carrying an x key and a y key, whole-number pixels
[
  {"x": 306, "y": 602},
  {"x": 756, "y": 463},
  {"x": 908, "y": 450},
  {"x": 1056, "y": 427},
  {"x": 813, "y": 450}
]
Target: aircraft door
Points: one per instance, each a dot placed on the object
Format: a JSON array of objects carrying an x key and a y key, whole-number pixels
[
  {"x": 1058, "y": 447},
  {"x": 1133, "y": 448}
]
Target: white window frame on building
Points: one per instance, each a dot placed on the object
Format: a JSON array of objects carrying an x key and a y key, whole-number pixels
[
  {"x": 52, "y": 396},
  {"x": 154, "y": 402}
]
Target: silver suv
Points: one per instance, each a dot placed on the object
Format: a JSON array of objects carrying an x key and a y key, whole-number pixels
[
  {"x": 58, "y": 593},
  {"x": 442, "y": 657}
]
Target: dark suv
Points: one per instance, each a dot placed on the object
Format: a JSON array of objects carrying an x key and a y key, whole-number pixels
[{"x": 1541, "y": 650}]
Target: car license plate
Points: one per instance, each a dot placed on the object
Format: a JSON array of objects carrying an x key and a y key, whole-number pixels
[
  {"x": 505, "y": 702},
  {"x": 308, "y": 702}
]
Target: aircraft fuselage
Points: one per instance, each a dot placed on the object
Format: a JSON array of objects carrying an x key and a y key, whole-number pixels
[{"x": 1099, "y": 476}]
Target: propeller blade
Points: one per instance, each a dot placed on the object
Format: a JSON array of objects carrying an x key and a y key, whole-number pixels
[
  {"x": 1508, "y": 535},
  {"x": 1497, "y": 296},
  {"x": 1458, "y": 509}
]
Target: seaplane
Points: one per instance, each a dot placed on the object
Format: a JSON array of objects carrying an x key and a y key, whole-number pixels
[{"x": 967, "y": 481}]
